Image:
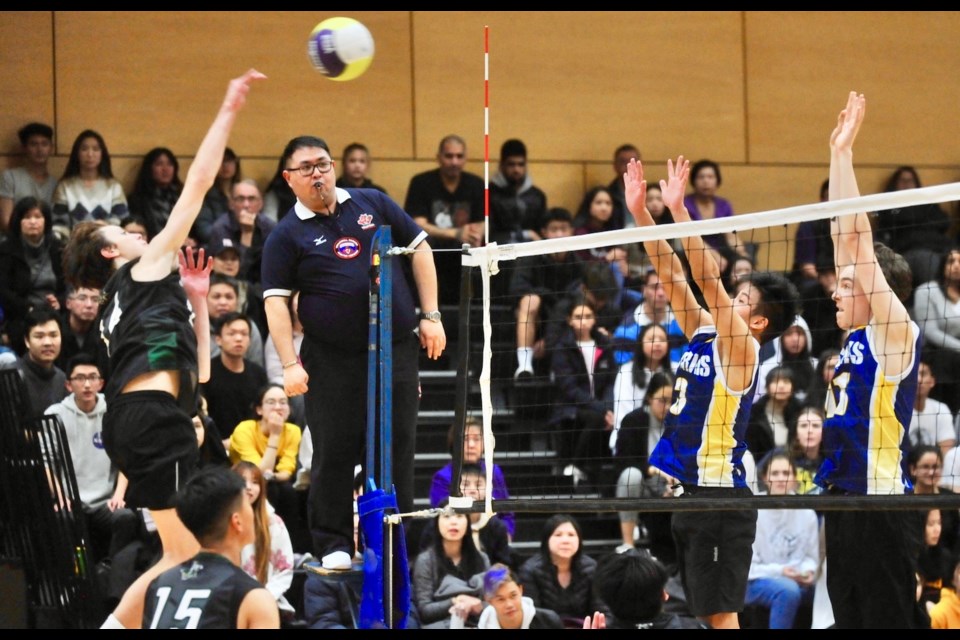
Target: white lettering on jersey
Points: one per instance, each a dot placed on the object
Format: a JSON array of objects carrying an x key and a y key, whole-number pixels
[{"x": 852, "y": 352}]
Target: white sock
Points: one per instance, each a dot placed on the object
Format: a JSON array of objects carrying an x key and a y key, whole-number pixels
[
  {"x": 112, "y": 623},
  {"x": 525, "y": 359}
]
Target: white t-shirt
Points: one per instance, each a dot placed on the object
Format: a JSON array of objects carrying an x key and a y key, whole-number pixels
[{"x": 931, "y": 425}]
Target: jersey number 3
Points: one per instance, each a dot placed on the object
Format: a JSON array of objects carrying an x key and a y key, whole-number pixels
[{"x": 837, "y": 403}]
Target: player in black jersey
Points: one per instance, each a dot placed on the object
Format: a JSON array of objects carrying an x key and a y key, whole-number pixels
[
  {"x": 156, "y": 357},
  {"x": 210, "y": 590}
]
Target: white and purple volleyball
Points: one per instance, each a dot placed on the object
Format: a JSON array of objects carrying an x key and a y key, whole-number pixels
[{"x": 340, "y": 48}]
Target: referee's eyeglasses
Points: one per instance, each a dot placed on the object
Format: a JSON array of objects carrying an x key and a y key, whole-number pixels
[{"x": 306, "y": 170}]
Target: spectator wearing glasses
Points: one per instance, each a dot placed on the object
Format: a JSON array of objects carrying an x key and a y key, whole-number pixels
[
  {"x": 271, "y": 442},
  {"x": 102, "y": 488},
  {"x": 244, "y": 227},
  {"x": 322, "y": 249},
  {"x": 81, "y": 331},
  {"x": 234, "y": 379}
]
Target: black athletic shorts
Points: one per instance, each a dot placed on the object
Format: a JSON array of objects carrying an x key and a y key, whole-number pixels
[
  {"x": 714, "y": 551},
  {"x": 153, "y": 442}
]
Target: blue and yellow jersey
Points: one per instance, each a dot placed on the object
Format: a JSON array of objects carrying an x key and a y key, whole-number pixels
[
  {"x": 865, "y": 435},
  {"x": 704, "y": 433}
]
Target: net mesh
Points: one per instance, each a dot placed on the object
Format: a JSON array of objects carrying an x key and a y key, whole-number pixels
[{"x": 567, "y": 416}]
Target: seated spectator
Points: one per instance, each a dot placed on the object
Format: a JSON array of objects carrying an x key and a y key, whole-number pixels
[
  {"x": 946, "y": 613},
  {"x": 33, "y": 179},
  {"x": 936, "y": 310},
  {"x": 935, "y": 561},
  {"x": 217, "y": 200},
  {"x": 826, "y": 367},
  {"x": 102, "y": 488},
  {"x": 918, "y": 232},
  {"x": 792, "y": 351},
  {"x": 509, "y": 608},
  {"x": 806, "y": 447},
  {"x": 31, "y": 267},
  {"x": 516, "y": 205},
  {"x": 560, "y": 576},
  {"x": 270, "y": 558},
  {"x": 772, "y": 415},
  {"x": 224, "y": 298},
  {"x": 652, "y": 357},
  {"x": 447, "y": 203},
  {"x": 356, "y": 164},
  {"x": 226, "y": 264},
  {"x": 271, "y": 443},
  {"x": 87, "y": 190},
  {"x": 596, "y": 213},
  {"x": 925, "y": 463},
  {"x": 490, "y": 534},
  {"x": 472, "y": 455},
  {"x": 156, "y": 189},
  {"x": 633, "y": 584},
  {"x": 81, "y": 332},
  {"x": 583, "y": 372},
  {"x": 932, "y": 421},
  {"x": 233, "y": 378},
  {"x": 538, "y": 284},
  {"x": 445, "y": 576},
  {"x": 705, "y": 204},
  {"x": 639, "y": 433},
  {"x": 243, "y": 225},
  {"x": 786, "y": 550},
  {"x": 45, "y": 382},
  {"x": 654, "y": 309}
]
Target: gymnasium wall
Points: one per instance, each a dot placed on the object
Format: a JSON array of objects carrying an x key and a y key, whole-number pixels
[{"x": 757, "y": 92}]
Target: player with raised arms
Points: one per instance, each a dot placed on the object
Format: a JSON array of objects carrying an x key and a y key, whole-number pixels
[
  {"x": 869, "y": 405},
  {"x": 704, "y": 434},
  {"x": 155, "y": 323}
]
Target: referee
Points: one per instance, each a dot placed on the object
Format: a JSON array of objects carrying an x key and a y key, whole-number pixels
[{"x": 322, "y": 249}]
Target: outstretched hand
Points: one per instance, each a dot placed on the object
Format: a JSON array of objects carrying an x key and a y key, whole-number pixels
[
  {"x": 239, "y": 88},
  {"x": 598, "y": 621},
  {"x": 674, "y": 188},
  {"x": 635, "y": 193},
  {"x": 848, "y": 123},
  {"x": 195, "y": 272}
]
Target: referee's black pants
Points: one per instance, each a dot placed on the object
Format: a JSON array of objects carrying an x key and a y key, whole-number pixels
[{"x": 336, "y": 405}]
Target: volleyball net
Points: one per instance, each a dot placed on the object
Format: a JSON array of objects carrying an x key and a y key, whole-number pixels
[{"x": 566, "y": 413}]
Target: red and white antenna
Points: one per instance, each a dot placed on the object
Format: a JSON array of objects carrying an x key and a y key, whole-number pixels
[{"x": 486, "y": 134}]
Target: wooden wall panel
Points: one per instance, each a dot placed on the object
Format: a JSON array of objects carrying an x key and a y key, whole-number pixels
[
  {"x": 575, "y": 86},
  {"x": 26, "y": 61},
  {"x": 801, "y": 65},
  {"x": 157, "y": 78}
]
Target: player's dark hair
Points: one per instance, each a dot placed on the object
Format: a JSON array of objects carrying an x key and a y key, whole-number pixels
[
  {"x": 206, "y": 502},
  {"x": 779, "y": 301}
]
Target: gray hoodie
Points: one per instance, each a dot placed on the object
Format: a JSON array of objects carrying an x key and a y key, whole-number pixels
[{"x": 96, "y": 476}]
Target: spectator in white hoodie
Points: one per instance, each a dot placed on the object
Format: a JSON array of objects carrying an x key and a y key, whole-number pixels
[{"x": 110, "y": 524}]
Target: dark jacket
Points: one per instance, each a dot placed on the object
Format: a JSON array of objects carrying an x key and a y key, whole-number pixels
[
  {"x": 571, "y": 380},
  {"x": 16, "y": 282},
  {"x": 759, "y": 432},
  {"x": 539, "y": 579},
  {"x": 660, "y": 621}
]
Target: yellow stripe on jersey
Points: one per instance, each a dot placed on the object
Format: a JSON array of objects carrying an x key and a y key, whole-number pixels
[
  {"x": 714, "y": 455},
  {"x": 886, "y": 433}
]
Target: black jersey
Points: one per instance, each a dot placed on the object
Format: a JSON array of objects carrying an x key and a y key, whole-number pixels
[
  {"x": 204, "y": 592},
  {"x": 148, "y": 326}
]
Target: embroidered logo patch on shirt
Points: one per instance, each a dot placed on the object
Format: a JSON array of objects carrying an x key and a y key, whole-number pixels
[
  {"x": 366, "y": 221},
  {"x": 347, "y": 248}
]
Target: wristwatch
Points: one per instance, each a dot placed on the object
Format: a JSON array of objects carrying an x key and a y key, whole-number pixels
[{"x": 432, "y": 316}]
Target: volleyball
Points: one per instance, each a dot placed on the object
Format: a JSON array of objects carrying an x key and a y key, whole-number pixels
[{"x": 340, "y": 48}]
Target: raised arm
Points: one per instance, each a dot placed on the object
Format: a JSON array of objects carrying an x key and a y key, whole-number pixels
[
  {"x": 685, "y": 308},
  {"x": 195, "y": 278},
  {"x": 732, "y": 330},
  {"x": 157, "y": 260},
  {"x": 853, "y": 245}
]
